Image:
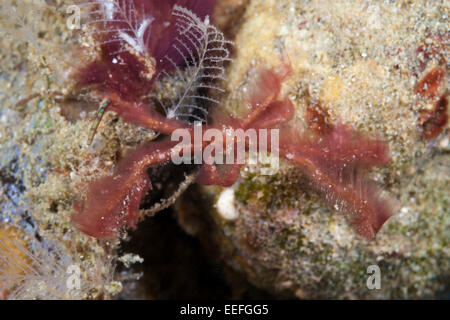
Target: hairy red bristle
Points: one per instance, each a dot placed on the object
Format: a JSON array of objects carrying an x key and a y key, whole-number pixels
[
  {"x": 335, "y": 164},
  {"x": 333, "y": 157},
  {"x": 113, "y": 202}
]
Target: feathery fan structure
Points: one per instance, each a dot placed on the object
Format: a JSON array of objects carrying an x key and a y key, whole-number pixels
[
  {"x": 38, "y": 273},
  {"x": 143, "y": 41},
  {"x": 184, "y": 44},
  {"x": 32, "y": 268},
  {"x": 118, "y": 22},
  {"x": 204, "y": 51},
  {"x": 136, "y": 39}
]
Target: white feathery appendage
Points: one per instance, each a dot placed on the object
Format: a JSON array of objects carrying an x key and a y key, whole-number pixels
[
  {"x": 31, "y": 274},
  {"x": 137, "y": 42},
  {"x": 43, "y": 270},
  {"x": 135, "y": 30},
  {"x": 204, "y": 50}
]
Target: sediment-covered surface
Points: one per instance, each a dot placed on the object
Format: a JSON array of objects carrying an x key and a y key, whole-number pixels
[{"x": 360, "y": 60}]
